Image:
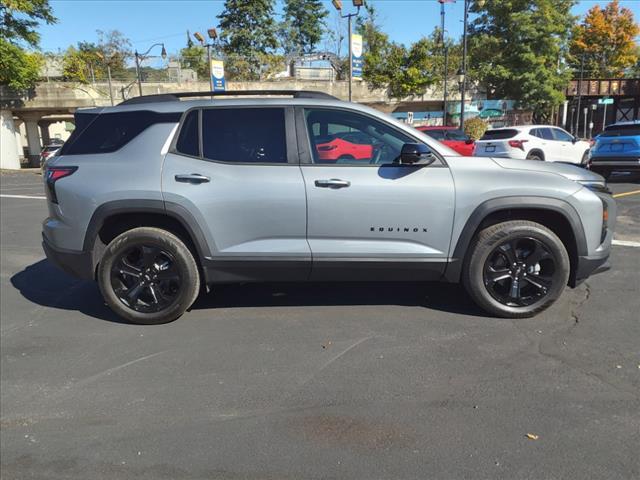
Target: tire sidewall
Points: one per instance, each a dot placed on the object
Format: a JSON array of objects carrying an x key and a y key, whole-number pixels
[
  {"x": 182, "y": 257},
  {"x": 484, "y": 248}
]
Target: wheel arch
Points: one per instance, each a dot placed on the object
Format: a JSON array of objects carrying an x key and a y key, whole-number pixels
[
  {"x": 537, "y": 151},
  {"x": 555, "y": 214},
  {"x": 115, "y": 217}
]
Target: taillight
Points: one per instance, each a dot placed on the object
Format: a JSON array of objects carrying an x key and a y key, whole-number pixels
[
  {"x": 53, "y": 175},
  {"x": 517, "y": 144}
]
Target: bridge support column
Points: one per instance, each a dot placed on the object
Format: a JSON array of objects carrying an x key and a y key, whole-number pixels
[
  {"x": 8, "y": 148},
  {"x": 19, "y": 141},
  {"x": 44, "y": 132},
  {"x": 33, "y": 138}
]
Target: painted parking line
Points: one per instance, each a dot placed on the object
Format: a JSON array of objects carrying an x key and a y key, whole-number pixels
[
  {"x": 35, "y": 197},
  {"x": 626, "y": 194},
  {"x": 625, "y": 243}
]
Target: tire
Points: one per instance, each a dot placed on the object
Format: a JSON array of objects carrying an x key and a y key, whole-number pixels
[
  {"x": 487, "y": 257},
  {"x": 157, "y": 271},
  {"x": 535, "y": 156}
]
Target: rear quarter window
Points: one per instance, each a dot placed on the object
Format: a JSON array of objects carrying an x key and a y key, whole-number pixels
[
  {"x": 499, "y": 134},
  {"x": 108, "y": 132}
]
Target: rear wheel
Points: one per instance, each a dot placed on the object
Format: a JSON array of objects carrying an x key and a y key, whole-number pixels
[
  {"x": 516, "y": 269},
  {"x": 148, "y": 276},
  {"x": 535, "y": 156}
]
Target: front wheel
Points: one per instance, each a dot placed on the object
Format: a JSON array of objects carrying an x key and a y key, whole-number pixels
[
  {"x": 516, "y": 269},
  {"x": 148, "y": 276}
]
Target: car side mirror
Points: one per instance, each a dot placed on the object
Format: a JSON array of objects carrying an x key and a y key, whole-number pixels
[
  {"x": 574, "y": 140},
  {"x": 468, "y": 141},
  {"x": 416, "y": 153}
]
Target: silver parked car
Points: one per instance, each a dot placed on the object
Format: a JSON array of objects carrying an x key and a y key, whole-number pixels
[{"x": 159, "y": 196}]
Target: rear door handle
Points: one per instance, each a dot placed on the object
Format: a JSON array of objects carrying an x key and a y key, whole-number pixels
[
  {"x": 192, "y": 178},
  {"x": 333, "y": 183}
]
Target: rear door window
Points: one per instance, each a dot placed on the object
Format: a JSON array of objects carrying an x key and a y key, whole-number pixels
[
  {"x": 108, "y": 132},
  {"x": 244, "y": 135},
  {"x": 457, "y": 135},
  {"x": 435, "y": 134},
  {"x": 501, "y": 134}
]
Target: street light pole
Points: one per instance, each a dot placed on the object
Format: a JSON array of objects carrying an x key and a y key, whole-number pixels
[
  {"x": 446, "y": 60},
  {"x": 140, "y": 57},
  {"x": 464, "y": 63}
]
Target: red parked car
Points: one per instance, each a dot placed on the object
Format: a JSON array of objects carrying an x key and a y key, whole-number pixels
[
  {"x": 345, "y": 147},
  {"x": 452, "y": 137}
]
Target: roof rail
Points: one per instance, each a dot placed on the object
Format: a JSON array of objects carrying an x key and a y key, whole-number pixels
[{"x": 172, "y": 97}]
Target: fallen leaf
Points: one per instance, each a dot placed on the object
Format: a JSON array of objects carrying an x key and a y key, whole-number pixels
[{"x": 532, "y": 436}]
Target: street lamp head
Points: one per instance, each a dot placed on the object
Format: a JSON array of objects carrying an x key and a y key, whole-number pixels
[
  {"x": 163, "y": 54},
  {"x": 480, "y": 3},
  {"x": 460, "y": 76},
  {"x": 358, "y": 3},
  {"x": 337, "y": 4},
  {"x": 198, "y": 36},
  {"x": 213, "y": 34}
]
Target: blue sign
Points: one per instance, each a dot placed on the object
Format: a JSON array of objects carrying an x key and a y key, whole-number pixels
[
  {"x": 217, "y": 76},
  {"x": 356, "y": 56}
]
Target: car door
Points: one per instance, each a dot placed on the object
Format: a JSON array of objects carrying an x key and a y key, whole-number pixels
[
  {"x": 235, "y": 172},
  {"x": 562, "y": 144},
  {"x": 571, "y": 151},
  {"x": 373, "y": 219}
]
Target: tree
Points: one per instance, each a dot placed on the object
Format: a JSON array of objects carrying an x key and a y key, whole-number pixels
[
  {"x": 389, "y": 65},
  {"x": 19, "y": 19},
  {"x": 113, "y": 50},
  {"x": 248, "y": 31},
  {"x": 303, "y": 26},
  {"x": 195, "y": 57},
  {"x": 606, "y": 39},
  {"x": 83, "y": 63},
  {"x": 516, "y": 47},
  {"x": 20, "y": 69}
]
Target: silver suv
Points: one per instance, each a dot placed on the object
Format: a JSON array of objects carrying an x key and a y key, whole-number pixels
[{"x": 159, "y": 197}]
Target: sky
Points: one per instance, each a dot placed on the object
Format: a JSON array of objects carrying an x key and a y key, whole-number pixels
[{"x": 146, "y": 22}]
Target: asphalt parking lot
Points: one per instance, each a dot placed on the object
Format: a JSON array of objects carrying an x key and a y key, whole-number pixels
[{"x": 314, "y": 381}]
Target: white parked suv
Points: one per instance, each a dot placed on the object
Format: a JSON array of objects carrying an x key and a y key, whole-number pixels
[{"x": 533, "y": 142}]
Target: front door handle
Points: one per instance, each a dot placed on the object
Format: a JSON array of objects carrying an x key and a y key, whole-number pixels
[
  {"x": 192, "y": 178},
  {"x": 333, "y": 183}
]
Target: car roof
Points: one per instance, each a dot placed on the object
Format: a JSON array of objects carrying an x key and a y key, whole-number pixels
[
  {"x": 628, "y": 122},
  {"x": 436, "y": 127}
]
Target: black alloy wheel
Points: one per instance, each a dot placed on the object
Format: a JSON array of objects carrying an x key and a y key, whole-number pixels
[
  {"x": 146, "y": 278},
  {"x": 520, "y": 272}
]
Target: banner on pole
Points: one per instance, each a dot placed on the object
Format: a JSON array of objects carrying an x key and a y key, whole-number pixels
[
  {"x": 356, "y": 56},
  {"x": 217, "y": 74}
]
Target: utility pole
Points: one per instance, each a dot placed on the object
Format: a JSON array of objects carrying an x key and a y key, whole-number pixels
[
  {"x": 109, "y": 79},
  {"x": 579, "y": 94}
]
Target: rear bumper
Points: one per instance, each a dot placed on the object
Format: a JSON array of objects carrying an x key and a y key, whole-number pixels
[
  {"x": 608, "y": 164},
  {"x": 78, "y": 264}
]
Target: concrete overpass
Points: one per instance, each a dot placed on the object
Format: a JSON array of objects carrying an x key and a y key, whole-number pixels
[{"x": 57, "y": 101}]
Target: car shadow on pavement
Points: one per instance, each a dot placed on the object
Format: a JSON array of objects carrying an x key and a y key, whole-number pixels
[{"x": 44, "y": 284}]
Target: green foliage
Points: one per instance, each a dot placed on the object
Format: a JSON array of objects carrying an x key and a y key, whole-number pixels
[
  {"x": 390, "y": 65},
  {"x": 303, "y": 26},
  {"x": 195, "y": 58},
  {"x": 606, "y": 39},
  {"x": 248, "y": 31},
  {"x": 19, "y": 18},
  {"x": 475, "y": 127},
  {"x": 516, "y": 46},
  {"x": 18, "y": 69}
]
